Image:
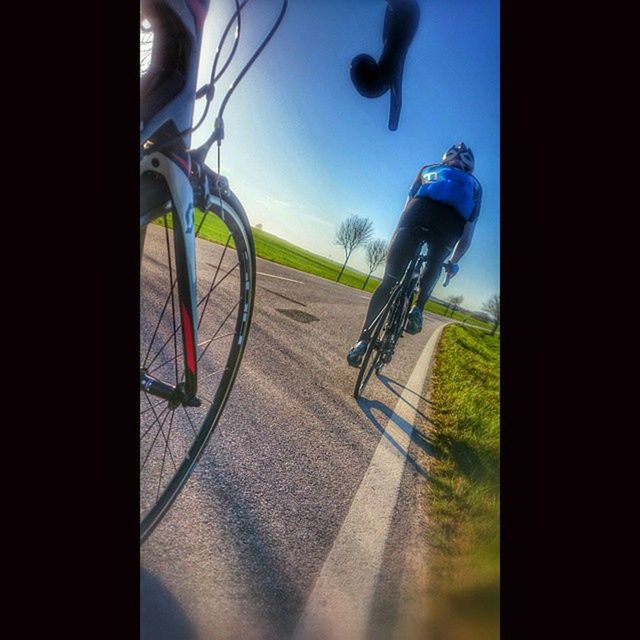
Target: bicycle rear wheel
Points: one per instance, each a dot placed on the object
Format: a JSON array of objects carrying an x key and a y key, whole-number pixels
[
  {"x": 374, "y": 350},
  {"x": 172, "y": 438}
]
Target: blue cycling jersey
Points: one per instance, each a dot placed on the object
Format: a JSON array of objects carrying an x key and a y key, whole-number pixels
[{"x": 450, "y": 186}]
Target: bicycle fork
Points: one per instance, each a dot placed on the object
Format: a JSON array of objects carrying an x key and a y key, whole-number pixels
[{"x": 175, "y": 168}]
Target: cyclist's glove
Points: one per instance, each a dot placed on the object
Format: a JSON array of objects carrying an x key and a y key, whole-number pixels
[{"x": 451, "y": 269}]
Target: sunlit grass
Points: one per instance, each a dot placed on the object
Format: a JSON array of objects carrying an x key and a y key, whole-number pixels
[{"x": 464, "y": 493}]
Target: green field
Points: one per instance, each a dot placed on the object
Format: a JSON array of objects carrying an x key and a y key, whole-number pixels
[
  {"x": 464, "y": 489},
  {"x": 270, "y": 247}
]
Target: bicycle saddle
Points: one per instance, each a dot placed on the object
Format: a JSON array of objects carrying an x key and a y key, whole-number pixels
[{"x": 373, "y": 79}]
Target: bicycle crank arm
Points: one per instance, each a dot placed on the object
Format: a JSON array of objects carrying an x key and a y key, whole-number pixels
[{"x": 174, "y": 395}]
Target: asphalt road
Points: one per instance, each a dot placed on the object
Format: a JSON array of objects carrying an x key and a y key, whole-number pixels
[{"x": 240, "y": 553}]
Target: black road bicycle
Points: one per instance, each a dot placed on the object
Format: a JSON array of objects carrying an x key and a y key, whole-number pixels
[
  {"x": 389, "y": 325},
  {"x": 196, "y": 297}
]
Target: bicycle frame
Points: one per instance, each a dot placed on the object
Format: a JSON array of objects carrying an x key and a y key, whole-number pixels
[
  {"x": 414, "y": 270},
  {"x": 407, "y": 282},
  {"x": 403, "y": 291},
  {"x": 407, "y": 287}
]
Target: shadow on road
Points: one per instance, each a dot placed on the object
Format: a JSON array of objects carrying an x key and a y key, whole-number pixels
[
  {"x": 161, "y": 616},
  {"x": 259, "y": 558},
  {"x": 389, "y": 382},
  {"x": 298, "y": 316},
  {"x": 280, "y": 295},
  {"x": 370, "y": 406}
]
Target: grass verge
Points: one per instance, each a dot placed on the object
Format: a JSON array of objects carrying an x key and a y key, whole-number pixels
[{"x": 464, "y": 492}]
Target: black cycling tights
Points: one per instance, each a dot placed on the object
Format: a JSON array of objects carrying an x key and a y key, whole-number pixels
[{"x": 421, "y": 220}]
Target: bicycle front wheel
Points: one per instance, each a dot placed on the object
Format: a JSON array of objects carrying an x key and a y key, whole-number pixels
[{"x": 172, "y": 438}]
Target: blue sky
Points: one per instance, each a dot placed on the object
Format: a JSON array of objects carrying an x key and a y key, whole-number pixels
[{"x": 303, "y": 150}]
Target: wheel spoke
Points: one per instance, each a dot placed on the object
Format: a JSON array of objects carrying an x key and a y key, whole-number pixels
[
  {"x": 200, "y": 344},
  {"x": 193, "y": 428},
  {"x": 204, "y": 215},
  {"x": 166, "y": 442},
  {"x": 164, "y": 456},
  {"x": 153, "y": 423},
  {"x": 214, "y": 336},
  {"x": 160, "y": 430},
  {"x": 215, "y": 275},
  {"x": 155, "y": 332},
  {"x": 157, "y": 404},
  {"x": 154, "y": 440},
  {"x": 235, "y": 306},
  {"x": 206, "y": 297},
  {"x": 213, "y": 373}
]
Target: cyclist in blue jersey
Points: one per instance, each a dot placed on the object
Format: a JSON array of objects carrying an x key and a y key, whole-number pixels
[{"x": 442, "y": 209}]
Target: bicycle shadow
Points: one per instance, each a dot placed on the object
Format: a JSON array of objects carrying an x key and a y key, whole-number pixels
[
  {"x": 388, "y": 382},
  {"x": 161, "y": 616},
  {"x": 368, "y": 407}
]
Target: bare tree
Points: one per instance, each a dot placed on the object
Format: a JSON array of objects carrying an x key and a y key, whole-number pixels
[
  {"x": 351, "y": 233},
  {"x": 448, "y": 303},
  {"x": 453, "y": 302},
  {"x": 458, "y": 301},
  {"x": 376, "y": 253},
  {"x": 492, "y": 307}
]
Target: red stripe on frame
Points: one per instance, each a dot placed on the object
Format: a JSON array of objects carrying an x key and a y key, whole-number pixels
[
  {"x": 185, "y": 163},
  {"x": 188, "y": 338},
  {"x": 198, "y": 12}
]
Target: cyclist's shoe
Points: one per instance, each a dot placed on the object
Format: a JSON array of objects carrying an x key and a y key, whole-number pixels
[
  {"x": 354, "y": 357},
  {"x": 414, "y": 321}
]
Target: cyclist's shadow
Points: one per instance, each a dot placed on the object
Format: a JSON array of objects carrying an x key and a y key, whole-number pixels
[
  {"x": 161, "y": 616},
  {"x": 372, "y": 407}
]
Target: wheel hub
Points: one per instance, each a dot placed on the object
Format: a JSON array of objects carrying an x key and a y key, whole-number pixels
[{"x": 175, "y": 395}]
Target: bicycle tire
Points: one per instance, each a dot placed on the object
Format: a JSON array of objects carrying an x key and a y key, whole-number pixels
[
  {"x": 228, "y": 212},
  {"x": 367, "y": 367}
]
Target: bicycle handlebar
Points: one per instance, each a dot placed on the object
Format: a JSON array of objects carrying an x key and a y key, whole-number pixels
[{"x": 373, "y": 79}]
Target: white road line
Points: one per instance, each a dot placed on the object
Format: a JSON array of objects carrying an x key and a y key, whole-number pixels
[
  {"x": 269, "y": 275},
  {"x": 339, "y": 605},
  {"x": 307, "y": 274}
]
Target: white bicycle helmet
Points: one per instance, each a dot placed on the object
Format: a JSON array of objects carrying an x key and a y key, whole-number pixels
[{"x": 461, "y": 152}]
